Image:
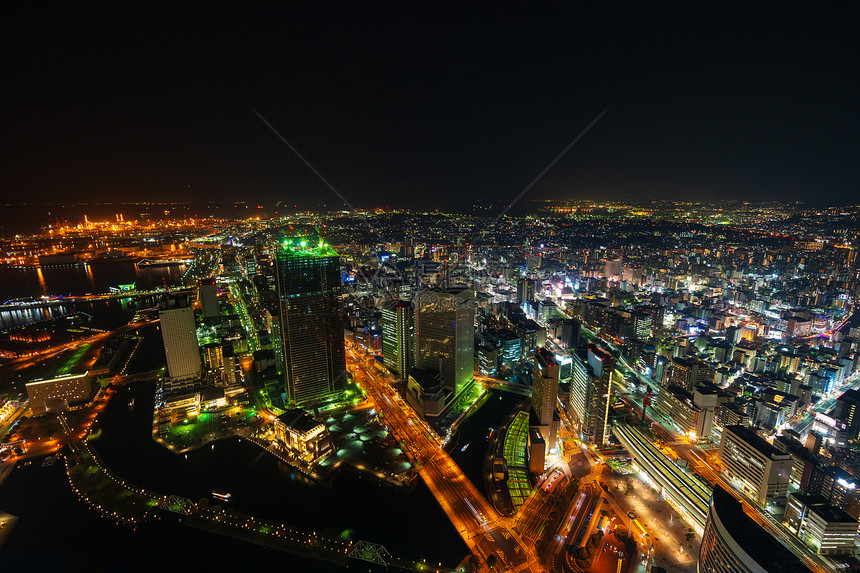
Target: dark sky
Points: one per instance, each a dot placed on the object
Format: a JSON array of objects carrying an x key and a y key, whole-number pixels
[{"x": 428, "y": 104}]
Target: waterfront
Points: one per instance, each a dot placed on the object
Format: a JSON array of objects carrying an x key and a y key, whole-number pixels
[
  {"x": 54, "y": 527},
  {"x": 80, "y": 279},
  {"x": 357, "y": 507}
]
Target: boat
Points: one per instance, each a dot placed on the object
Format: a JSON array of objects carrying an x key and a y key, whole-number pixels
[
  {"x": 222, "y": 495},
  {"x": 49, "y": 461},
  {"x": 465, "y": 448}
]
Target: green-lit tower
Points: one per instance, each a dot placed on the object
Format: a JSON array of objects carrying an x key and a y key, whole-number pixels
[{"x": 311, "y": 321}]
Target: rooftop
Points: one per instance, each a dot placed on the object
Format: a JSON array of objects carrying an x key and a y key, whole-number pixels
[
  {"x": 298, "y": 420},
  {"x": 752, "y": 539},
  {"x": 756, "y": 441}
]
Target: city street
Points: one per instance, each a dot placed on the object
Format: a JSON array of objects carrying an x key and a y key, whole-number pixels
[{"x": 483, "y": 530}]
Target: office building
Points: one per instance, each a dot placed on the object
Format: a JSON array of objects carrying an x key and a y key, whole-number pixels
[
  {"x": 311, "y": 322},
  {"x": 397, "y": 333},
  {"x": 426, "y": 393},
  {"x": 826, "y": 529},
  {"x": 757, "y": 468},
  {"x": 583, "y": 398},
  {"x": 445, "y": 335},
  {"x": 602, "y": 367},
  {"x": 510, "y": 348},
  {"x": 803, "y": 461},
  {"x": 545, "y": 393},
  {"x": 208, "y": 293},
  {"x": 488, "y": 359},
  {"x": 693, "y": 412},
  {"x": 642, "y": 325},
  {"x": 525, "y": 290},
  {"x": 733, "y": 414},
  {"x": 833, "y": 484},
  {"x": 847, "y": 410},
  {"x": 570, "y": 333},
  {"x": 58, "y": 394},
  {"x": 180, "y": 344},
  {"x": 734, "y": 543},
  {"x": 689, "y": 373}
]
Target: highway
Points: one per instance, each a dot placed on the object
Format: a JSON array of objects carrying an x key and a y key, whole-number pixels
[{"x": 483, "y": 530}]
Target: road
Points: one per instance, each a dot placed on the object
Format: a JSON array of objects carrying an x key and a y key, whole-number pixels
[{"x": 483, "y": 530}]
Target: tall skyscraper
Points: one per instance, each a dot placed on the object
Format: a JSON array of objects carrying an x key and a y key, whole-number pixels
[
  {"x": 180, "y": 343},
  {"x": 583, "y": 397},
  {"x": 544, "y": 385},
  {"x": 445, "y": 335},
  {"x": 602, "y": 366},
  {"x": 397, "y": 333},
  {"x": 545, "y": 393},
  {"x": 208, "y": 292},
  {"x": 310, "y": 321}
]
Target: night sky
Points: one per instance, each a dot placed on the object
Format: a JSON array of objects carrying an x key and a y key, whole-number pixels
[{"x": 428, "y": 104}]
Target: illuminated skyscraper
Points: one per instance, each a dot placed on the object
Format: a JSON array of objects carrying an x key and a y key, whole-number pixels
[
  {"x": 180, "y": 343},
  {"x": 445, "y": 335},
  {"x": 397, "y": 333},
  {"x": 310, "y": 322},
  {"x": 602, "y": 365}
]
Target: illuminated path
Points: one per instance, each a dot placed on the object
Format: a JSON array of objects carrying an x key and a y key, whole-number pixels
[{"x": 482, "y": 529}]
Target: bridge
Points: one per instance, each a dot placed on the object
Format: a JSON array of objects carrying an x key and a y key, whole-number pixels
[{"x": 13, "y": 305}]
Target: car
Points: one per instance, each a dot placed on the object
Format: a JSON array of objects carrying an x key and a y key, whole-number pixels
[{"x": 631, "y": 514}]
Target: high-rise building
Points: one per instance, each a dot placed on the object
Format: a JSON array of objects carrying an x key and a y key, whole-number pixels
[
  {"x": 311, "y": 321},
  {"x": 545, "y": 393},
  {"x": 847, "y": 409},
  {"x": 180, "y": 343},
  {"x": 583, "y": 397},
  {"x": 525, "y": 290},
  {"x": 570, "y": 332},
  {"x": 510, "y": 348},
  {"x": 445, "y": 335},
  {"x": 602, "y": 366},
  {"x": 488, "y": 358},
  {"x": 734, "y": 543},
  {"x": 397, "y": 333},
  {"x": 642, "y": 325},
  {"x": 758, "y": 468},
  {"x": 208, "y": 293}
]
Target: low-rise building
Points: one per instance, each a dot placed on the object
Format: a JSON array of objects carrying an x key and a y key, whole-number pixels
[
  {"x": 301, "y": 434},
  {"x": 826, "y": 529},
  {"x": 58, "y": 394}
]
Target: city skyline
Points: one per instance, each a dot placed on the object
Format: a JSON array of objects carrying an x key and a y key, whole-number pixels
[{"x": 559, "y": 288}]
